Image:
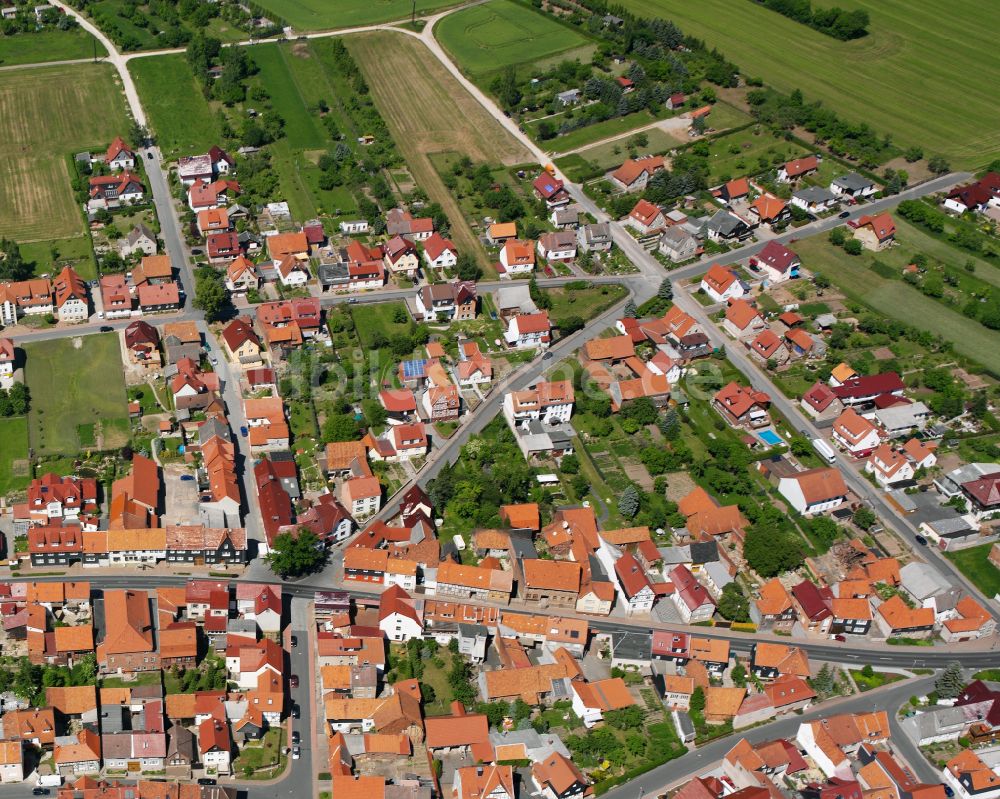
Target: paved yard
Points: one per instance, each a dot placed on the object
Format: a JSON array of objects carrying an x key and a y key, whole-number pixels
[{"x": 182, "y": 496}]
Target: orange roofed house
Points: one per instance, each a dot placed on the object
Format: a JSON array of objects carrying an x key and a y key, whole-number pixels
[
  {"x": 742, "y": 405},
  {"x": 874, "y": 232},
  {"x": 592, "y": 699},
  {"x": 128, "y": 638},
  {"x": 557, "y": 777}
]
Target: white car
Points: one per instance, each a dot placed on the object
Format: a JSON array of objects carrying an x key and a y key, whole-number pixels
[{"x": 296, "y": 753}]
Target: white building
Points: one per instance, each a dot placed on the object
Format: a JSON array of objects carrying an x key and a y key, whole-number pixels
[
  {"x": 550, "y": 403},
  {"x": 529, "y": 330},
  {"x": 814, "y": 491}
]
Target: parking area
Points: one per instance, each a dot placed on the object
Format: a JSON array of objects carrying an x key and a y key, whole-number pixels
[{"x": 181, "y": 496}]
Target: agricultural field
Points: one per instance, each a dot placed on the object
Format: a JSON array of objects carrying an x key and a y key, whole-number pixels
[
  {"x": 46, "y": 115},
  {"x": 119, "y": 20},
  {"x": 871, "y": 79},
  {"x": 77, "y": 394},
  {"x": 178, "y": 112},
  {"x": 49, "y": 45},
  {"x": 14, "y": 467},
  {"x": 896, "y": 299},
  {"x": 459, "y": 123},
  {"x": 311, "y": 15},
  {"x": 486, "y": 38}
]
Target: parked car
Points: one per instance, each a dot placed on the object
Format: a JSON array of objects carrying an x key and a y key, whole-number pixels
[
  {"x": 839, "y": 637},
  {"x": 295, "y": 736},
  {"x": 295, "y": 711},
  {"x": 843, "y": 215},
  {"x": 149, "y": 156},
  {"x": 40, "y": 792},
  {"x": 921, "y": 540},
  {"x": 196, "y": 250},
  {"x": 294, "y": 681},
  {"x": 296, "y": 753},
  {"x": 206, "y": 781},
  {"x": 243, "y": 431},
  {"x": 187, "y": 477},
  {"x": 107, "y": 329},
  {"x": 295, "y": 642}
]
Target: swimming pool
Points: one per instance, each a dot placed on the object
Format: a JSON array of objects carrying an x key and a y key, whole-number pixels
[{"x": 770, "y": 438}]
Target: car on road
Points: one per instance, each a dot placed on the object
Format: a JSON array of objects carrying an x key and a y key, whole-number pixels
[
  {"x": 843, "y": 215},
  {"x": 149, "y": 156},
  {"x": 546, "y": 356},
  {"x": 352, "y": 301},
  {"x": 207, "y": 781},
  {"x": 948, "y": 791},
  {"x": 295, "y": 736},
  {"x": 243, "y": 431},
  {"x": 295, "y": 642},
  {"x": 40, "y": 792},
  {"x": 839, "y": 637},
  {"x": 295, "y": 711},
  {"x": 296, "y": 753},
  {"x": 107, "y": 329},
  {"x": 187, "y": 478},
  {"x": 921, "y": 540},
  {"x": 294, "y": 681}
]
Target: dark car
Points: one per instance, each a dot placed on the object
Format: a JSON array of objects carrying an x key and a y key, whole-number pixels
[
  {"x": 294, "y": 681},
  {"x": 843, "y": 215},
  {"x": 295, "y": 642},
  {"x": 196, "y": 250},
  {"x": 921, "y": 540},
  {"x": 149, "y": 156},
  {"x": 296, "y": 738},
  {"x": 187, "y": 478},
  {"x": 295, "y": 711},
  {"x": 107, "y": 329},
  {"x": 207, "y": 781},
  {"x": 949, "y": 792},
  {"x": 40, "y": 792}
]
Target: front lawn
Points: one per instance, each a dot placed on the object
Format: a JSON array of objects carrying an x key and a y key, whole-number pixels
[
  {"x": 264, "y": 756},
  {"x": 974, "y": 563},
  {"x": 585, "y": 302},
  {"x": 874, "y": 679}
]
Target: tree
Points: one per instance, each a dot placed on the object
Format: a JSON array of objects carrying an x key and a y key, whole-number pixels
[
  {"x": 569, "y": 325},
  {"x": 466, "y": 267},
  {"x": 771, "y": 550},
  {"x": 628, "y": 502},
  {"x": 739, "y": 675},
  {"x": 697, "y": 703},
  {"x": 824, "y": 683},
  {"x": 295, "y": 554},
  {"x": 340, "y": 427},
  {"x": 630, "y": 310},
  {"x": 20, "y": 399},
  {"x": 698, "y": 125},
  {"x": 666, "y": 290},
  {"x": 852, "y": 247},
  {"x": 864, "y": 518},
  {"x": 570, "y": 464},
  {"x": 838, "y": 236},
  {"x": 938, "y": 165},
  {"x": 12, "y": 264},
  {"x": 642, "y": 410},
  {"x": 733, "y": 604},
  {"x": 951, "y": 683},
  {"x": 670, "y": 424},
  {"x": 868, "y": 671},
  {"x": 210, "y": 294}
]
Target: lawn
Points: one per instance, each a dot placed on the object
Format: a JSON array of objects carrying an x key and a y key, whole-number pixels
[
  {"x": 501, "y": 33},
  {"x": 49, "y": 44},
  {"x": 974, "y": 563},
  {"x": 15, "y": 473},
  {"x": 584, "y": 302},
  {"x": 178, "y": 112},
  {"x": 75, "y": 251},
  {"x": 898, "y": 300},
  {"x": 46, "y": 114},
  {"x": 371, "y": 318},
  {"x": 871, "y": 79},
  {"x": 309, "y": 15},
  {"x": 746, "y": 153},
  {"x": 589, "y": 134},
  {"x": 302, "y": 129},
  {"x": 876, "y": 680},
  {"x": 458, "y": 123},
  {"x": 76, "y": 382}
]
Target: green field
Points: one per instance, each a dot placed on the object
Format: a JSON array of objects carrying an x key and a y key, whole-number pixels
[
  {"x": 372, "y": 318},
  {"x": 581, "y": 137},
  {"x": 49, "y": 45},
  {"x": 500, "y": 33},
  {"x": 307, "y": 15},
  {"x": 974, "y": 563},
  {"x": 746, "y": 153},
  {"x": 47, "y": 114},
  {"x": 178, "y": 112},
  {"x": 76, "y": 382},
  {"x": 928, "y": 78},
  {"x": 140, "y": 27},
  {"x": 14, "y": 471},
  {"x": 76, "y": 251},
  {"x": 898, "y": 300}
]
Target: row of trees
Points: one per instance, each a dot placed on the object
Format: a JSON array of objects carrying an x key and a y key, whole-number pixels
[{"x": 833, "y": 21}]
